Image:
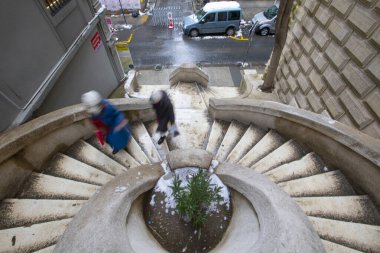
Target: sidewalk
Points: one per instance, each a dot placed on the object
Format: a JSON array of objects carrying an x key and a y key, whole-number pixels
[{"x": 222, "y": 76}]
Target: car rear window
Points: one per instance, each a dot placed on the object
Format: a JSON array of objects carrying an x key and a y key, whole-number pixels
[{"x": 234, "y": 15}]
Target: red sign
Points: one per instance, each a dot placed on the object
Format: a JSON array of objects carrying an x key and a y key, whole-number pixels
[
  {"x": 109, "y": 21},
  {"x": 96, "y": 41}
]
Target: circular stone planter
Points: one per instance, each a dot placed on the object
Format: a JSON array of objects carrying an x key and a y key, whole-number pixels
[
  {"x": 107, "y": 223},
  {"x": 176, "y": 233}
]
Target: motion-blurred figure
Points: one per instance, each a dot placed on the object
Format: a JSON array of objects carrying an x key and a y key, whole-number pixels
[
  {"x": 110, "y": 123},
  {"x": 165, "y": 114}
]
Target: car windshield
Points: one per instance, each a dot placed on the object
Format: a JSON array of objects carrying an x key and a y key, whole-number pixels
[
  {"x": 271, "y": 12},
  {"x": 200, "y": 14}
]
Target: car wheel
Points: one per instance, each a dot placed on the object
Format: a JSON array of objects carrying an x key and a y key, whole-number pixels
[
  {"x": 264, "y": 32},
  {"x": 194, "y": 33},
  {"x": 230, "y": 31}
]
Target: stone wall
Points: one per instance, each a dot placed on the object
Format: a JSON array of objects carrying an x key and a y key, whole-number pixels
[{"x": 331, "y": 62}]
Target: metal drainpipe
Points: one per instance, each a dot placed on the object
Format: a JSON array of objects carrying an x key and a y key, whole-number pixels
[
  {"x": 111, "y": 51},
  {"x": 55, "y": 73}
]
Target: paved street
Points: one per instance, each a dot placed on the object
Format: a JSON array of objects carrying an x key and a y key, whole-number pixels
[{"x": 152, "y": 43}]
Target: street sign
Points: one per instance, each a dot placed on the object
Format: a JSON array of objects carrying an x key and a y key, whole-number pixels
[{"x": 96, "y": 41}]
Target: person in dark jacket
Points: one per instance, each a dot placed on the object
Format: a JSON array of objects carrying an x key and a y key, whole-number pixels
[
  {"x": 165, "y": 114},
  {"x": 110, "y": 123}
]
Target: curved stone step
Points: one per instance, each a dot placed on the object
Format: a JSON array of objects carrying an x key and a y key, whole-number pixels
[
  {"x": 49, "y": 187},
  {"x": 49, "y": 249},
  {"x": 191, "y": 116},
  {"x": 99, "y": 227},
  {"x": 327, "y": 184},
  {"x": 194, "y": 127},
  {"x": 223, "y": 92},
  {"x": 283, "y": 225},
  {"x": 358, "y": 209},
  {"x": 309, "y": 165},
  {"x": 233, "y": 135},
  {"x": 353, "y": 235},
  {"x": 136, "y": 152},
  {"x": 84, "y": 152},
  {"x": 219, "y": 92},
  {"x": 217, "y": 133},
  {"x": 287, "y": 152},
  {"x": 186, "y": 96},
  {"x": 206, "y": 93},
  {"x": 33, "y": 238},
  {"x": 25, "y": 212},
  {"x": 122, "y": 157},
  {"x": 271, "y": 141},
  {"x": 337, "y": 248},
  {"x": 142, "y": 137},
  {"x": 251, "y": 136},
  {"x": 67, "y": 167},
  {"x": 162, "y": 149}
]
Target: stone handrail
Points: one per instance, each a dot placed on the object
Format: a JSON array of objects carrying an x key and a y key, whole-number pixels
[
  {"x": 357, "y": 155},
  {"x": 16, "y": 139},
  {"x": 188, "y": 73},
  {"x": 28, "y": 147}
]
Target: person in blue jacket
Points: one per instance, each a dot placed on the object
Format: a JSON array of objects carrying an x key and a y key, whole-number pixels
[{"x": 110, "y": 123}]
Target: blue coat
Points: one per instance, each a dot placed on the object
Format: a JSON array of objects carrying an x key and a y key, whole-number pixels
[{"x": 108, "y": 119}]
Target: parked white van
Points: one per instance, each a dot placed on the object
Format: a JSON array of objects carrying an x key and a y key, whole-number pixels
[{"x": 214, "y": 17}]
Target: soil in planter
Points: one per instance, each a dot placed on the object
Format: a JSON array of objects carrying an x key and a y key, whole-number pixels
[{"x": 178, "y": 236}]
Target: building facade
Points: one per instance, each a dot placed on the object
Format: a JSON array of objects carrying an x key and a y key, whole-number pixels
[
  {"x": 331, "y": 62},
  {"x": 51, "y": 53}
]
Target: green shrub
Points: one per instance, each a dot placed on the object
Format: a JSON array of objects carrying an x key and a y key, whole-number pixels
[{"x": 194, "y": 199}]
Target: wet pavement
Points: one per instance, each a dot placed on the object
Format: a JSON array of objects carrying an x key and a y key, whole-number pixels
[
  {"x": 156, "y": 45},
  {"x": 152, "y": 42}
]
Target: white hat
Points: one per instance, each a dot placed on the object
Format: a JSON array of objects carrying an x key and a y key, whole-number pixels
[
  {"x": 156, "y": 96},
  {"x": 92, "y": 101}
]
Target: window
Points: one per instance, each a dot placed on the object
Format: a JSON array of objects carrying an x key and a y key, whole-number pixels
[
  {"x": 210, "y": 17},
  {"x": 271, "y": 12},
  {"x": 54, "y": 6},
  {"x": 234, "y": 15},
  {"x": 222, "y": 16},
  {"x": 200, "y": 14}
]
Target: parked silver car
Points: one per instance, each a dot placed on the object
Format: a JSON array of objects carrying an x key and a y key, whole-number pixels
[{"x": 264, "y": 22}]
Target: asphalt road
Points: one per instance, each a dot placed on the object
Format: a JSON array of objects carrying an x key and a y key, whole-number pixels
[{"x": 152, "y": 44}]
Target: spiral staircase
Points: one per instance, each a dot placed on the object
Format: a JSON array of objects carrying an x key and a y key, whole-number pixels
[{"x": 52, "y": 165}]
